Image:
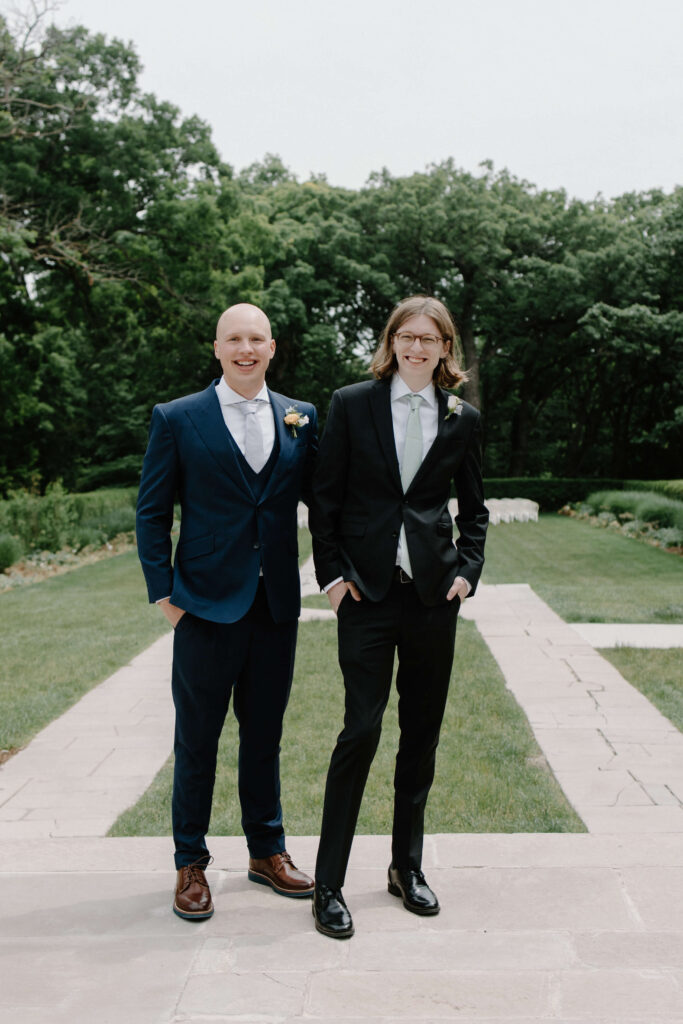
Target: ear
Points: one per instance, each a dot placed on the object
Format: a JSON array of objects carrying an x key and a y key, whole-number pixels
[{"x": 215, "y": 348}]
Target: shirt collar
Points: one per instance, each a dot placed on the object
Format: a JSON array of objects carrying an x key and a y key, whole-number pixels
[
  {"x": 227, "y": 396},
  {"x": 399, "y": 389}
]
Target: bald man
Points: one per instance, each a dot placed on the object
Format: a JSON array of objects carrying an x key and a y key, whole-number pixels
[{"x": 238, "y": 458}]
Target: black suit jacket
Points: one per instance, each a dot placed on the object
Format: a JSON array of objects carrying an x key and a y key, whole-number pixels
[{"x": 358, "y": 504}]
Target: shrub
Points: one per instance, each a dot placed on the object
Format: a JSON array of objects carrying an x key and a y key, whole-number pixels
[
  {"x": 121, "y": 472},
  {"x": 671, "y": 537},
  {"x": 11, "y": 550},
  {"x": 59, "y": 519},
  {"x": 617, "y": 502},
  {"x": 86, "y": 536},
  {"x": 670, "y": 488},
  {"x": 116, "y": 520},
  {"x": 551, "y": 494},
  {"x": 656, "y": 508},
  {"x": 645, "y": 506}
]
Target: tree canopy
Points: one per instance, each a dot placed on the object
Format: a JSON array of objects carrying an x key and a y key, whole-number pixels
[{"x": 123, "y": 235}]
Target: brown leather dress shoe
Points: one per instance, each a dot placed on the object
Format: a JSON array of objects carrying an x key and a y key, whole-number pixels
[
  {"x": 192, "y": 894},
  {"x": 281, "y": 875}
]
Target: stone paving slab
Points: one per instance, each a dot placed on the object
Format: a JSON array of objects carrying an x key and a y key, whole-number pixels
[
  {"x": 536, "y": 929},
  {"x": 620, "y": 634}
]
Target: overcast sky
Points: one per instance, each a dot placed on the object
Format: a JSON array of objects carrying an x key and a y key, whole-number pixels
[{"x": 584, "y": 95}]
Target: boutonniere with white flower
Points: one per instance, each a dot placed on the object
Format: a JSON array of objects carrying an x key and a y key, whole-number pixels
[
  {"x": 294, "y": 419},
  {"x": 455, "y": 406}
]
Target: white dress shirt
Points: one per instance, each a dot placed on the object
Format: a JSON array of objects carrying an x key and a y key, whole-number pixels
[{"x": 236, "y": 421}]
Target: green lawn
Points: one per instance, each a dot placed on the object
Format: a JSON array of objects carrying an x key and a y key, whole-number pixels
[
  {"x": 490, "y": 777},
  {"x": 586, "y": 574},
  {"x": 61, "y": 637},
  {"x": 658, "y": 674}
]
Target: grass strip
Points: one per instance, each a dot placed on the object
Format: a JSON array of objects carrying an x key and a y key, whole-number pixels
[
  {"x": 585, "y": 574},
  {"x": 61, "y": 637},
  {"x": 64, "y": 635},
  {"x": 490, "y": 774},
  {"x": 656, "y": 672}
]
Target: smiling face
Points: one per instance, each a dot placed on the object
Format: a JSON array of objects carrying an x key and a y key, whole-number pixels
[
  {"x": 416, "y": 362},
  {"x": 244, "y": 348}
]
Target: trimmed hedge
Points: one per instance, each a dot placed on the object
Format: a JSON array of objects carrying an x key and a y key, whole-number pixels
[
  {"x": 671, "y": 488},
  {"x": 551, "y": 494}
]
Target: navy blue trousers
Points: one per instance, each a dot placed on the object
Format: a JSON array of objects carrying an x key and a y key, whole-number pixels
[{"x": 252, "y": 660}]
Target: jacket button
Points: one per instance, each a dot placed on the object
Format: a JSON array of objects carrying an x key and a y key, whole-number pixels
[
  {"x": 395, "y": 533},
  {"x": 257, "y": 545}
]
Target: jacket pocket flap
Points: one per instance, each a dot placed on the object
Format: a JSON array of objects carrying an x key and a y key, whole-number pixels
[
  {"x": 353, "y": 526},
  {"x": 197, "y": 546}
]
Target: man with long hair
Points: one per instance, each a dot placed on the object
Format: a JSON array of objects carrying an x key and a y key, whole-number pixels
[{"x": 384, "y": 552}]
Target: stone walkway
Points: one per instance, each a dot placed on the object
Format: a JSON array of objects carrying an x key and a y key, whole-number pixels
[
  {"x": 618, "y": 760},
  {"x": 535, "y": 929}
]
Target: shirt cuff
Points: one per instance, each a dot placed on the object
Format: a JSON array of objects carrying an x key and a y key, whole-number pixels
[
  {"x": 163, "y": 599},
  {"x": 339, "y": 579}
]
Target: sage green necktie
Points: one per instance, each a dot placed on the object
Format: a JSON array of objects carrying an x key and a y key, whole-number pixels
[{"x": 412, "y": 460}]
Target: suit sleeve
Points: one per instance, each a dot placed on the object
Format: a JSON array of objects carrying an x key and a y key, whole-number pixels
[
  {"x": 154, "y": 518},
  {"x": 329, "y": 488},
  {"x": 473, "y": 516}
]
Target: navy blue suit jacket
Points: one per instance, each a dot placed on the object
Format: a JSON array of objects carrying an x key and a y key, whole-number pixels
[{"x": 226, "y": 532}]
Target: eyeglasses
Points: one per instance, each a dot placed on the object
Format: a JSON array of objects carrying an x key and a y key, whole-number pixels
[{"x": 427, "y": 340}]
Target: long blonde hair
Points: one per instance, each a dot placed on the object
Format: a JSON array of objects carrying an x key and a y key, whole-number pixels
[{"x": 447, "y": 373}]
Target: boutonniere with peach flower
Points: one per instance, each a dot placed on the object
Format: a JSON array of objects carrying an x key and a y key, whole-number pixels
[
  {"x": 455, "y": 406},
  {"x": 294, "y": 419}
]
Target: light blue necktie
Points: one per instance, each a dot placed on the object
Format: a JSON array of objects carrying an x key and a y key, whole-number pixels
[
  {"x": 412, "y": 460},
  {"x": 253, "y": 438}
]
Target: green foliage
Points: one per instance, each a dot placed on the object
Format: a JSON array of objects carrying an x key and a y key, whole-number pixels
[
  {"x": 134, "y": 236},
  {"x": 550, "y": 493},
  {"x": 671, "y": 488},
  {"x": 42, "y": 523},
  {"x": 645, "y": 506},
  {"x": 11, "y": 550},
  {"x": 58, "y": 519}
]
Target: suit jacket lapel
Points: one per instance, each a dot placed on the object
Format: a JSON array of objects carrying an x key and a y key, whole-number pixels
[
  {"x": 208, "y": 421},
  {"x": 287, "y": 444},
  {"x": 445, "y": 430},
  {"x": 380, "y": 406}
]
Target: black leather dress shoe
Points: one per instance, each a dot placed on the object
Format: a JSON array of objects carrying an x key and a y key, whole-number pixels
[
  {"x": 331, "y": 913},
  {"x": 413, "y": 889}
]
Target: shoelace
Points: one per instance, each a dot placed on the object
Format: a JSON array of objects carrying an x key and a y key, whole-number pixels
[{"x": 196, "y": 871}]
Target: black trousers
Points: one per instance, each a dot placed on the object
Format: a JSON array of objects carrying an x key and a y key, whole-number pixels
[
  {"x": 254, "y": 660},
  {"x": 369, "y": 635}
]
